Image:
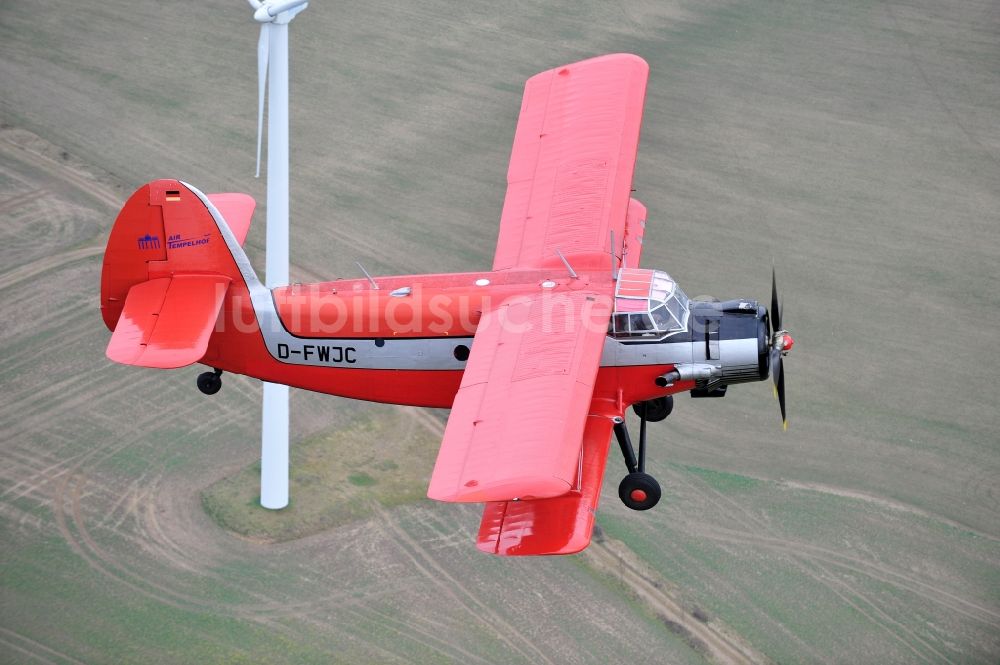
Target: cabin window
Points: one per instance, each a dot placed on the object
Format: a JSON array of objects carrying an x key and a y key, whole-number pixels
[{"x": 648, "y": 304}]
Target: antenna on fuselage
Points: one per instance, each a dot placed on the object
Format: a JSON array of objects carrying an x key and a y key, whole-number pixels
[
  {"x": 572, "y": 273},
  {"x": 370, "y": 280},
  {"x": 614, "y": 275}
]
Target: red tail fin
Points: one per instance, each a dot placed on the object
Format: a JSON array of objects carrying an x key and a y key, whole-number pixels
[{"x": 166, "y": 269}]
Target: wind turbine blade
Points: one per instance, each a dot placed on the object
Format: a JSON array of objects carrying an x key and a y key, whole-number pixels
[{"x": 263, "y": 53}]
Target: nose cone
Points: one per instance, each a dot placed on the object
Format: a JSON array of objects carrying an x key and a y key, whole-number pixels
[{"x": 787, "y": 343}]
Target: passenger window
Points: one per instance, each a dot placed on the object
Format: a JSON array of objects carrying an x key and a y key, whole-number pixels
[{"x": 641, "y": 323}]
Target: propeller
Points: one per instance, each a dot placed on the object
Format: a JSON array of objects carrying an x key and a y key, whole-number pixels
[
  {"x": 781, "y": 344},
  {"x": 268, "y": 13}
]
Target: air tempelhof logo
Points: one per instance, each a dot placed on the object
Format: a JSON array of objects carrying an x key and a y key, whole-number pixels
[
  {"x": 175, "y": 241},
  {"x": 148, "y": 242}
]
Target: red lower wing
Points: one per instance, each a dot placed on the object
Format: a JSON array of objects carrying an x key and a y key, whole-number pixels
[{"x": 561, "y": 525}]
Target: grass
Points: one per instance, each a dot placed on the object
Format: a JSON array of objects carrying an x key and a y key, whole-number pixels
[
  {"x": 721, "y": 481},
  {"x": 127, "y": 627},
  {"x": 849, "y": 142},
  {"x": 337, "y": 477},
  {"x": 782, "y": 566}
]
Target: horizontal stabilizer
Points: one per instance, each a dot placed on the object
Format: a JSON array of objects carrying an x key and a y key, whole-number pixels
[
  {"x": 166, "y": 322},
  {"x": 561, "y": 525}
]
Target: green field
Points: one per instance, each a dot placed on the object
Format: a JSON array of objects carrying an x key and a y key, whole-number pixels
[
  {"x": 377, "y": 461},
  {"x": 855, "y": 145}
]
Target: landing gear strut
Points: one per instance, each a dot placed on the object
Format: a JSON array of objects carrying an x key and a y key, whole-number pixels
[
  {"x": 210, "y": 382},
  {"x": 639, "y": 490}
]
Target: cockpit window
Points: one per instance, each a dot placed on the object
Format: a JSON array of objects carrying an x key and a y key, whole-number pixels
[
  {"x": 662, "y": 317},
  {"x": 648, "y": 305}
]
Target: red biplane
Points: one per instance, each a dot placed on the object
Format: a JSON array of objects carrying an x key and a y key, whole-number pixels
[{"x": 538, "y": 358}]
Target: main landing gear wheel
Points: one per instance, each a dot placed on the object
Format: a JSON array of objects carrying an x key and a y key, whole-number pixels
[
  {"x": 210, "y": 382},
  {"x": 657, "y": 409},
  {"x": 639, "y": 491}
]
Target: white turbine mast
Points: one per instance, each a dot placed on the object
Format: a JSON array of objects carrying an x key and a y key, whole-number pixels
[{"x": 272, "y": 71}]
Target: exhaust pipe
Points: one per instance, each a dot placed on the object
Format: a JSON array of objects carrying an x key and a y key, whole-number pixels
[{"x": 688, "y": 372}]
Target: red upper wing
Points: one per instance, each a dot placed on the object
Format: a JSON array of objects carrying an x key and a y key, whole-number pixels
[{"x": 570, "y": 172}]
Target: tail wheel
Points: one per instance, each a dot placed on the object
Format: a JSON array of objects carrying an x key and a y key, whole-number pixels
[
  {"x": 639, "y": 491},
  {"x": 210, "y": 382},
  {"x": 656, "y": 409}
]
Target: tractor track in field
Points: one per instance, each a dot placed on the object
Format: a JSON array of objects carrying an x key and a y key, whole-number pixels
[
  {"x": 816, "y": 562},
  {"x": 67, "y": 482},
  {"x": 45, "y": 264},
  {"x": 139, "y": 524},
  {"x": 423, "y": 418},
  {"x": 719, "y": 644},
  {"x": 762, "y": 536},
  {"x": 450, "y": 586},
  {"x": 412, "y": 631},
  {"x": 67, "y": 331},
  {"x": 69, "y": 519},
  {"x": 809, "y": 565},
  {"x": 49, "y": 472},
  {"x": 864, "y": 606},
  {"x": 61, "y": 179},
  {"x": 17, "y": 144},
  {"x": 73, "y": 527},
  {"x": 863, "y": 567},
  {"x": 35, "y": 650},
  {"x": 14, "y": 202},
  {"x": 140, "y": 507},
  {"x": 148, "y": 535},
  {"x": 980, "y": 482}
]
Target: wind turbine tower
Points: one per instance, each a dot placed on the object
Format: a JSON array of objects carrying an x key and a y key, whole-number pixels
[{"x": 272, "y": 73}]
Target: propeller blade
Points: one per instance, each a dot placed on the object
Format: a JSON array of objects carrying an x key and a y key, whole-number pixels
[
  {"x": 775, "y": 367},
  {"x": 775, "y": 306},
  {"x": 781, "y": 397},
  {"x": 263, "y": 55},
  {"x": 779, "y": 340}
]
